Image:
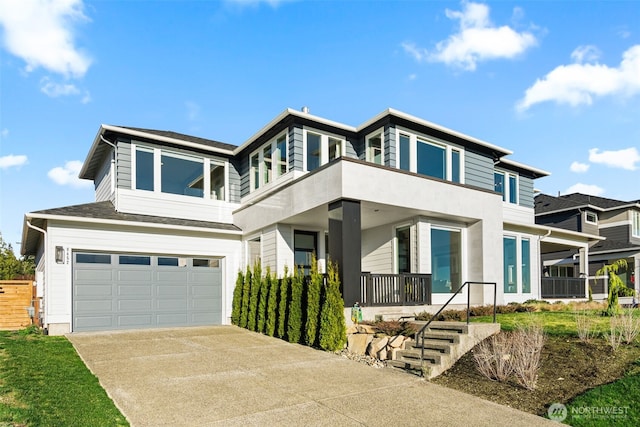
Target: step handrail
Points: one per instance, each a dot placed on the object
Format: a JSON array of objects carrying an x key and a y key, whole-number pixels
[{"x": 435, "y": 316}]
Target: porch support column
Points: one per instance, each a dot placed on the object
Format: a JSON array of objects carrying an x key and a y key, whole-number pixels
[
  {"x": 584, "y": 267},
  {"x": 345, "y": 246}
]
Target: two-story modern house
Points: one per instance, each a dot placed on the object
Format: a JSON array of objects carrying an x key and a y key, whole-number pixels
[
  {"x": 408, "y": 209},
  {"x": 616, "y": 220}
]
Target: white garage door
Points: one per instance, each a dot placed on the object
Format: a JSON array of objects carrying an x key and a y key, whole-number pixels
[{"x": 123, "y": 291}]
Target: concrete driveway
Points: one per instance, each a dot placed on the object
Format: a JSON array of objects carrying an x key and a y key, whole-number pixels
[{"x": 214, "y": 376}]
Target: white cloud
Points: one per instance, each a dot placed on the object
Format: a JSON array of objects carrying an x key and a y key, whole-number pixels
[
  {"x": 55, "y": 90},
  {"x": 68, "y": 175},
  {"x": 588, "y": 53},
  {"x": 11, "y": 160},
  {"x": 592, "y": 190},
  {"x": 578, "y": 83},
  {"x": 41, "y": 32},
  {"x": 622, "y": 159},
  {"x": 578, "y": 167},
  {"x": 476, "y": 40}
]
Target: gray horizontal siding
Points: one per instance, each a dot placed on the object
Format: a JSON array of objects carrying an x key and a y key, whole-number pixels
[
  {"x": 566, "y": 220},
  {"x": 102, "y": 181},
  {"x": 234, "y": 183},
  {"x": 620, "y": 233},
  {"x": 390, "y": 146},
  {"x": 296, "y": 143},
  {"x": 526, "y": 192},
  {"x": 478, "y": 170},
  {"x": 123, "y": 167}
]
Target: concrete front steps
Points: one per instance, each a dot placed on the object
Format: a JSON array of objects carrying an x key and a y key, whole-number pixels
[{"x": 444, "y": 343}]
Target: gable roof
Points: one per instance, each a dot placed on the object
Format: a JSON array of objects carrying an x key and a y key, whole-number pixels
[
  {"x": 545, "y": 204},
  {"x": 105, "y": 213}
]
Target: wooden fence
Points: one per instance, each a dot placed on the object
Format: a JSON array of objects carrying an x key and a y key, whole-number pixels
[{"x": 15, "y": 298}]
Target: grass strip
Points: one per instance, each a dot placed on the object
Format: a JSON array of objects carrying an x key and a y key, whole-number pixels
[{"x": 43, "y": 382}]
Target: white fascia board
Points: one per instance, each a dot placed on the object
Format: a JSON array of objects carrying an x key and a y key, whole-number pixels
[
  {"x": 510, "y": 162},
  {"x": 400, "y": 114},
  {"x": 560, "y": 232},
  {"x": 92, "y": 150},
  {"x": 131, "y": 223},
  {"x": 292, "y": 112}
]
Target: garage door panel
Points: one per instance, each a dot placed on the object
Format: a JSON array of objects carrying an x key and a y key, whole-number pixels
[
  {"x": 128, "y": 290},
  {"x": 172, "y": 276},
  {"x": 93, "y": 306},
  {"x": 94, "y": 276},
  {"x": 135, "y": 320},
  {"x": 94, "y": 290},
  {"x": 135, "y": 275},
  {"x": 127, "y": 296},
  {"x": 135, "y": 305}
]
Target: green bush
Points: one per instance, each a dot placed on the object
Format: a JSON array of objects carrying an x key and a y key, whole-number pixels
[
  {"x": 314, "y": 291},
  {"x": 283, "y": 304},
  {"x": 246, "y": 289},
  {"x": 295, "y": 321},
  {"x": 254, "y": 291},
  {"x": 263, "y": 289},
  {"x": 236, "y": 306},
  {"x": 333, "y": 330},
  {"x": 272, "y": 304}
]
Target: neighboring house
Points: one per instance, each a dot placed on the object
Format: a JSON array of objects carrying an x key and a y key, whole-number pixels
[
  {"x": 408, "y": 209},
  {"x": 617, "y": 221}
]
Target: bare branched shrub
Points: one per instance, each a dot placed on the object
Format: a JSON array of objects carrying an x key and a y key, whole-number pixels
[
  {"x": 585, "y": 326},
  {"x": 527, "y": 349},
  {"x": 494, "y": 356},
  {"x": 628, "y": 326},
  {"x": 613, "y": 337}
]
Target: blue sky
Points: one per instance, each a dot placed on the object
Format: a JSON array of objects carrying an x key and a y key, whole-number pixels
[{"x": 558, "y": 83}]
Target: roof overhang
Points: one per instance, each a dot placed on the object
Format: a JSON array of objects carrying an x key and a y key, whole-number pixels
[
  {"x": 538, "y": 173},
  {"x": 546, "y": 231}
]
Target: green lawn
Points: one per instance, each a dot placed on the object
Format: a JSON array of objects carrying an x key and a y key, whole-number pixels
[
  {"x": 554, "y": 322},
  {"x": 43, "y": 382}
]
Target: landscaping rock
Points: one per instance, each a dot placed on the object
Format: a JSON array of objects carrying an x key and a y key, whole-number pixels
[
  {"x": 358, "y": 343},
  {"x": 397, "y": 341},
  {"x": 366, "y": 329},
  {"x": 376, "y": 345},
  {"x": 352, "y": 330},
  {"x": 382, "y": 354}
]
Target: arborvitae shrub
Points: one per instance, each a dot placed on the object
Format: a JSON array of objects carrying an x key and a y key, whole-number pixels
[
  {"x": 283, "y": 304},
  {"x": 262, "y": 301},
  {"x": 272, "y": 304},
  {"x": 313, "y": 305},
  {"x": 294, "y": 326},
  {"x": 253, "y": 296},
  {"x": 246, "y": 289},
  {"x": 236, "y": 308},
  {"x": 333, "y": 329}
]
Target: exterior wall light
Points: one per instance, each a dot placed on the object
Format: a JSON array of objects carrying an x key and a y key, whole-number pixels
[{"x": 59, "y": 255}]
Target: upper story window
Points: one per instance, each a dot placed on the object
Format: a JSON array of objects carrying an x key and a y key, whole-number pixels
[
  {"x": 269, "y": 162},
  {"x": 175, "y": 173},
  {"x": 321, "y": 149},
  {"x": 507, "y": 185},
  {"x": 430, "y": 157},
  {"x": 591, "y": 217},
  {"x": 374, "y": 148},
  {"x": 635, "y": 224}
]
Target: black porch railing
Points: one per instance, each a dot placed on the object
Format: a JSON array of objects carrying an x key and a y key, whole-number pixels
[
  {"x": 563, "y": 287},
  {"x": 395, "y": 289}
]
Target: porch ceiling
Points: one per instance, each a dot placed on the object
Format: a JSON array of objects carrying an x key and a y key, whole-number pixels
[{"x": 372, "y": 215}]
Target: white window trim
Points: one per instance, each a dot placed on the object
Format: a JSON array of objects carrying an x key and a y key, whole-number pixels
[
  {"x": 367, "y": 156},
  {"x": 324, "y": 146},
  {"x": 507, "y": 185},
  {"x": 413, "y": 152},
  {"x": 157, "y": 170},
  {"x": 635, "y": 223},
  {"x": 463, "y": 252},
  {"x": 518, "y": 238},
  {"x": 586, "y": 217},
  {"x": 412, "y": 251},
  {"x": 274, "y": 162}
]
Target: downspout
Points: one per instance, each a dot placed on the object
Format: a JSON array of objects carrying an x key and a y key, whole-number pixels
[
  {"x": 46, "y": 267},
  {"x": 541, "y": 238},
  {"x": 114, "y": 162}
]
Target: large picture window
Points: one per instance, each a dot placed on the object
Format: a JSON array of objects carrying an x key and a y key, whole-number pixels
[
  {"x": 321, "y": 149},
  {"x": 510, "y": 264},
  {"x": 268, "y": 163},
  {"x": 173, "y": 173},
  {"x": 446, "y": 260},
  {"x": 144, "y": 169},
  {"x": 430, "y": 157}
]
